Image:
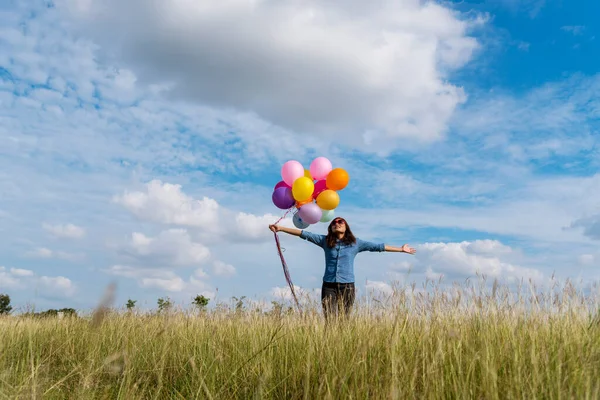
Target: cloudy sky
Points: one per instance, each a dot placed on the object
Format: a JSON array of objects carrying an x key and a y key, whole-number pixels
[{"x": 141, "y": 139}]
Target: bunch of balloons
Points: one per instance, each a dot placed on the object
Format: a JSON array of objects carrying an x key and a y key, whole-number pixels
[{"x": 313, "y": 191}]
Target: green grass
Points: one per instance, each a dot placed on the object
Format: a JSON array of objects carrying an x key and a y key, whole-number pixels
[{"x": 457, "y": 343}]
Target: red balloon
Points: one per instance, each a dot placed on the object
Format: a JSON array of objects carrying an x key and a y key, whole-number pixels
[
  {"x": 281, "y": 184},
  {"x": 319, "y": 187}
]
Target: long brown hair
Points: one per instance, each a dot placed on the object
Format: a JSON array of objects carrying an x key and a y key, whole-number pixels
[{"x": 331, "y": 238}]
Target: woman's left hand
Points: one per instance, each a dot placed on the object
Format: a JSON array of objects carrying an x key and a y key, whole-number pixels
[{"x": 407, "y": 249}]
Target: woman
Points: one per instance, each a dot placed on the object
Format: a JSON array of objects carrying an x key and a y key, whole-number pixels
[{"x": 341, "y": 247}]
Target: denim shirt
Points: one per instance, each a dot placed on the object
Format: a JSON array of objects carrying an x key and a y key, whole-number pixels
[{"x": 339, "y": 260}]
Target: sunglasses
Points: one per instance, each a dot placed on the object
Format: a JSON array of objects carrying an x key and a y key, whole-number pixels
[{"x": 338, "y": 222}]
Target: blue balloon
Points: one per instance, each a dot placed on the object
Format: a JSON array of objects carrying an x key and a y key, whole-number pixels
[{"x": 298, "y": 223}]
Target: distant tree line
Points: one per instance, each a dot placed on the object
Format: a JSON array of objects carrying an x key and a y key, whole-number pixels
[
  {"x": 164, "y": 304},
  {"x": 6, "y": 308}
]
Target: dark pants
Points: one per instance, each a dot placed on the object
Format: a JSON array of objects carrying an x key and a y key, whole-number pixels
[{"x": 337, "y": 298}]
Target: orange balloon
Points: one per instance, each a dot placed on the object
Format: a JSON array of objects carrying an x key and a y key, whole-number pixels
[
  {"x": 328, "y": 199},
  {"x": 337, "y": 179}
]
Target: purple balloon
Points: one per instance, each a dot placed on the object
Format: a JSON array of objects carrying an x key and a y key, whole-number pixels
[
  {"x": 310, "y": 213},
  {"x": 283, "y": 198},
  {"x": 298, "y": 223},
  {"x": 281, "y": 184}
]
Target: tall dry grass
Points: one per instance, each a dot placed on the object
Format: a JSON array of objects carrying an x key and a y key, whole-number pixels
[{"x": 458, "y": 342}]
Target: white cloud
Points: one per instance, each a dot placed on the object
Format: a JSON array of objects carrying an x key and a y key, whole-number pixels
[
  {"x": 398, "y": 271},
  {"x": 9, "y": 280},
  {"x": 200, "y": 274},
  {"x": 554, "y": 119},
  {"x": 43, "y": 252},
  {"x": 174, "y": 284},
  {"x": 532, "y": 7},
  {"x": 465, "y": 259},
  {"x": 576, "y": 30},
  {"x": 284, "y": 292},
  {"x": 304, "y": 295},
  {"x": 165, "y": 203},
  {"x": 378, "y": 287},
  {"x": 68, "y": 231},
  {"x": 402, "y": 266},
  {"x": 223, "y": 269},
  {"x": 487, "y": 247},
  {"x": 57, "y": 285},
  {"x": 153, "y": 259},
  {"x": 163, "y": 279},
  {"x": 21, "y": 272},
  {"x": 433, "y": 276},
  {"x": 21, "y": 279},
  {"x": 134, "y": 273},
  {"x": 377, "y": 68},
  {"x": 253, "y": 227},
  {"x": 173, "y": 247}
]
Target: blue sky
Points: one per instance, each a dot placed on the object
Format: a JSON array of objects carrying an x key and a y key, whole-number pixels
[
  {"x": 540, "y": 41},
  {"x": 141, "y": 144}
]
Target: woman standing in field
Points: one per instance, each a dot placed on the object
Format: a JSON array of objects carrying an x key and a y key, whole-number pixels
[{"x": 340, "y": 247}]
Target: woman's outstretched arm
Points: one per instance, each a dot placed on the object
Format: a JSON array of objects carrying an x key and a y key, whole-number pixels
[
  {"x": 371, "y": 246},
  {"x": 317, "y": 239},
  {"x": 404, "y": 249},
  {"x": 290, "y": 231}
]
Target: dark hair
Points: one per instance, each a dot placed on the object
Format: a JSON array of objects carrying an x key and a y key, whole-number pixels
[{"x": 331, "y": 238}]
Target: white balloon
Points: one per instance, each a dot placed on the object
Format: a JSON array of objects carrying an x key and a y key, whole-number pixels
[{"x": 327, "y": 215}]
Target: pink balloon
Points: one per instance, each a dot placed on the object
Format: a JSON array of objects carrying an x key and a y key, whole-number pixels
[
  {"x": 291, "y": 171},
  {"x": 319, "y": 187},
  {"x": 281, "y": 184},
  {"x": 320, "y": 168},
  {"x": 310, "y": 213}
]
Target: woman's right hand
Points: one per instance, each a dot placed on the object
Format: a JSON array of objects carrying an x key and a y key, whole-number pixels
[
  {"x": 290, "y": 231},
  {"x": 274, "y": 228}
]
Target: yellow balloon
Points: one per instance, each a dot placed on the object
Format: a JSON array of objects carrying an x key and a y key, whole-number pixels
[
  {"x": 328, "y": 199},
  {"x": 307, "y": 174},
  {"x": 303, "y": 188}
]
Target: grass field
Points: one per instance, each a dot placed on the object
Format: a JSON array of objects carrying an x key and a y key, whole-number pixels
[{"x": 456, "y": 343}]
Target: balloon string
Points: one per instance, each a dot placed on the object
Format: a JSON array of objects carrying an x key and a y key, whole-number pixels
[{"x": 286, "y": 272}]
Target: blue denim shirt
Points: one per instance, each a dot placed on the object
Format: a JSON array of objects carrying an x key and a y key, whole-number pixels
[{"x": 339, "y": 260}]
